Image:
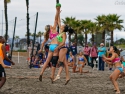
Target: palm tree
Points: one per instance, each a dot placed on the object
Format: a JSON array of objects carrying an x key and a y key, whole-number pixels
[
  {"x": 92, "y": 27},
  {"x": 40, "y": 34},
  {"x": 113, "y": 22},
  {"x": 32, "y": 34},
  {"x": 6, "y": 17},
  {"x": 77, "y": 28},
  {"x": 101, "y": 20},
  {"x": 17, "y": 37},
  {"x": 5, "y": 36},
  {"x": 85, "y": 28},
  {"x": 29, "y": 34}
]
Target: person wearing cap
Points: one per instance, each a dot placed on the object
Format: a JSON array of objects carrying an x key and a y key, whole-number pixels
[
  {"x": 101, "y": 52},
  {"x": 73, "y": 49}
]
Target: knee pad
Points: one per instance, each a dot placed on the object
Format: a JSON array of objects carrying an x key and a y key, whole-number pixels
[
  {"x": 54, "y": 61},
  {"x": 61, "y": 64}
]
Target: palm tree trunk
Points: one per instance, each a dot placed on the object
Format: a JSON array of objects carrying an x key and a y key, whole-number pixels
[
  {"x": 92, "y": 39},
  {"x": 103, "y": 37},
  {"x": 6, "y": 18},
  {"x": 86, "y": 38},
  {"x": 112, "y": 33}
]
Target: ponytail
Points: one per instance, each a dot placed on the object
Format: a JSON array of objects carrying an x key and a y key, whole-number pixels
[
  {"x": 68, "y": 29},
  {"x": 116, "y": 50},
  {"x": 46, "y": 35}
]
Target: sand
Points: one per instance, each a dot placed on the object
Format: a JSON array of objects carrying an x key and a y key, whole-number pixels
[{"x": 22, "y": 80}]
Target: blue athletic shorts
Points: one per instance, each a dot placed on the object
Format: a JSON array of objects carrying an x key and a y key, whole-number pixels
[
  {"x": 120, "y": 68},
  {"x": 52, "y": 47}
]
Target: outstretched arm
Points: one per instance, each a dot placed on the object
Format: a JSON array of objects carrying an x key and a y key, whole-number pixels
[
  {"x": 59, "y": 21},
  {"x": 5, "y": 56},
  {"x": 108, "y": 62},
  {"x": 56, "y": 17},
  {"x": 109, "y": 59}
]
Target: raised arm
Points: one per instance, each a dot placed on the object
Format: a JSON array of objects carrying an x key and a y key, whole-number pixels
[
  {"x": 56, "y": 17},
  {"x": 59, "y": 21}
]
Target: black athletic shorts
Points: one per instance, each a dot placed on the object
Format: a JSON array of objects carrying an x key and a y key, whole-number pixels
[{"x": 2, "y": 71}]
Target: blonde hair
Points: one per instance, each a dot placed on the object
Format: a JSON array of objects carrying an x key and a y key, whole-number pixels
[
  {"x": 81, "y": 52},
  {"x": 46, "y": 34}
]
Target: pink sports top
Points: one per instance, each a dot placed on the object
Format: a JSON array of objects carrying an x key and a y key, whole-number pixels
[
  {"x": 51, "y": 35},
  {"x": 116, "y": 60}
]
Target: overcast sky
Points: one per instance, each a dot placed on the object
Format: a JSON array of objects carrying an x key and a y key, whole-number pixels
[{"x": 81, "y": 9}]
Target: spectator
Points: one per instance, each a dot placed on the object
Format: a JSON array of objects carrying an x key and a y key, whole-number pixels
[
  {"x": 36, "y": 62},
  {"x": 73, "y": 49},
  {"x": 38, "y": 47},
  {"x": 101, "y": 52},
  {"x": 7, "y": 47},
  {"x": 71, "y": 62},
  {"x": 46, "y": 49},
  {"x": 82, "y": 61},
  {"x": 93, "y": 55},
  {"x": 86, "y": 52},
  {"x": 68, "y": 51},
  {"x": 43, "y": 59},
  {"x": 40, "y": 54},
  {"x": 122, "y": 56},
  {"x": 32, "y": 59}
]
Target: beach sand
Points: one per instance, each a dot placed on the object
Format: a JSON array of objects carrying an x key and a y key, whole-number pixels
[{"x": 22, "y": 80}]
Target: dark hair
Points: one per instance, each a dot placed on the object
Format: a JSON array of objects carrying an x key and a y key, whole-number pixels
[
  {"x": 111, "y": 44},
  {"x": 110, "y": 54},
  {"x": 1, "y": 37},
  {"x": 116, "y": 50},
  {"x": 46, "y": 46},
  {"x": 68, "y": 29},
  {"x": 46, "y": 35}
]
